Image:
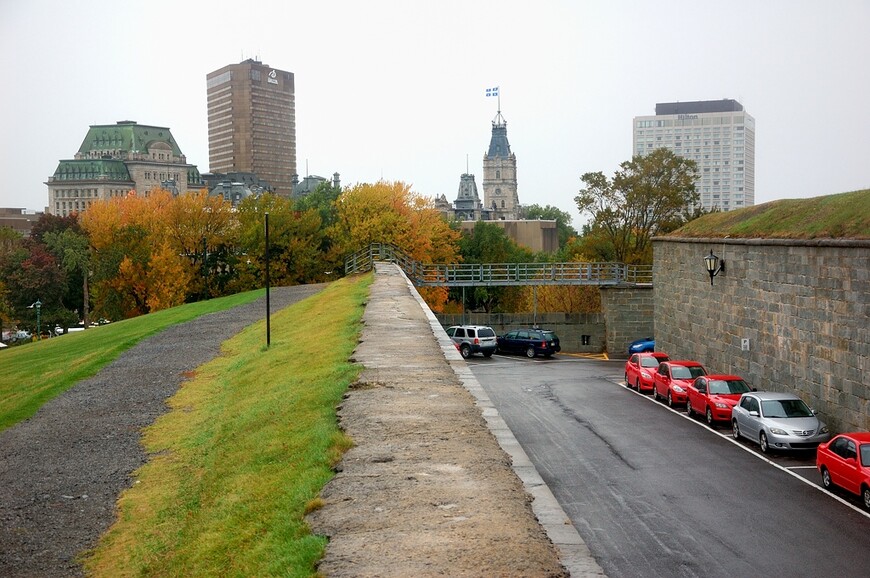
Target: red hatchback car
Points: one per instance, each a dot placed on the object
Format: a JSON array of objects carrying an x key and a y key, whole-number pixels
[
  {"x": 713, "y": 396},
  {"x": 845, "y": 462},
  {"x": 673, "y": 378},
  {"x": 640, "y": 368}
]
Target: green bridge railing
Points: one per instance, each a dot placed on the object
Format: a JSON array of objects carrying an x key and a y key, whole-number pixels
[{"x": 498, "y": 274}]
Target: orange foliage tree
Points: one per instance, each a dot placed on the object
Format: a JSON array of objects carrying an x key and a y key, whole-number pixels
[
  {"x": 137, "y": 269},
  {"x": 390, "y": 212}
]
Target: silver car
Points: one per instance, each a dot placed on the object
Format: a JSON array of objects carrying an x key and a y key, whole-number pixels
[
  {"x": 777, "y": 421},
  {"x": 470, "y": 339}
]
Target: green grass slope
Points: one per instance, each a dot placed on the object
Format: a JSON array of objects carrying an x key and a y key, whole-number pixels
[
  {"x": 841, "y": 216},
  {"x": 37, "y": 372}
]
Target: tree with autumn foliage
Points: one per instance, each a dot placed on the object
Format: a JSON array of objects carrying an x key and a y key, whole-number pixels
[
  {"x": 295, "y": 240},
  {"x": 205, "y": 230},
  {"x": 137, "y": 267},
  {"x": 390, "y": 212}
]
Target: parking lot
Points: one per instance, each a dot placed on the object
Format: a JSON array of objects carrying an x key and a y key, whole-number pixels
[{"x": 655, "y": 492}]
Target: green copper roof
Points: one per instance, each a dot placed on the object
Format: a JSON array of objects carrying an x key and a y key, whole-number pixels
[
  {"x": 126, "y": 136},
  {"x": 80, "y": 170}
]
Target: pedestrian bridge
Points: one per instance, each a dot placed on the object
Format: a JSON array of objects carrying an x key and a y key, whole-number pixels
[{"x": 499, "y": 274}]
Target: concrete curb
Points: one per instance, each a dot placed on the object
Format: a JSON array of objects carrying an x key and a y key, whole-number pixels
[{"x": 573, "y": 552}]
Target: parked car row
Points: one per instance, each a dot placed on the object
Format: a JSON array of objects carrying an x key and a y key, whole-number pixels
[
  {"x": 471, "y": 339},
  {"x": 776, "y": 421}
]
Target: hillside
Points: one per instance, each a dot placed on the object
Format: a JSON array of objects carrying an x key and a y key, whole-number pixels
[{"x": 840, "y": 216}]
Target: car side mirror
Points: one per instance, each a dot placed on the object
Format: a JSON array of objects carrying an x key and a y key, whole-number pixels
[
  {"x": 753, "y": 413},
  {"x": 815, "y": 411},
  {"x": 754, "y": 388}
]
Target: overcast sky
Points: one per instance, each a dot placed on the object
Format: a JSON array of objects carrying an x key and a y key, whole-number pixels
[{"x": 396, "y": 89}]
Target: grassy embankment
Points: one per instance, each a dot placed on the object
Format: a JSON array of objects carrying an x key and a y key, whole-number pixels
[
  {"x": 243, "y": 453},
  {"x": 37, "y": 372},
  {"x": 844, "y": 216}
]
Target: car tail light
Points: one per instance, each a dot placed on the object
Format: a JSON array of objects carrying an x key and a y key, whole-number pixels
[{"x": 476, "y": 341}]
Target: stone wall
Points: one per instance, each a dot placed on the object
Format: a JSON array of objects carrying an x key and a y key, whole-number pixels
[
  {"x": 785, "y": 315},
  {"x": 570, "y": 327},
  {"x": 628, "y": 313}
]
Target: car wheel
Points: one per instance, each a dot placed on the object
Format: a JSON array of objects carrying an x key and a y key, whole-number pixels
[
  {"x": 656, "y": 395},
  {"x": 530, "y": 352},
  {"x": 709, "y": 415},
  {"x": 628, "y": 385},
  {"x": 735, "y": 429},
  {"x": 689, "y": 409},
  {"x": 670, "y": 399},
  {"x": 637, "y": 384},
  {"x": 465, "y": 350},
  {"x": 826, "y": 479},
  {"x": 865, "y": 494},
  {"x": 762, "y": 441}
]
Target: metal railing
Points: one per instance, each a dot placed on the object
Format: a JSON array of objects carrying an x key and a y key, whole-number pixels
[{"x": 499, "y": 274}]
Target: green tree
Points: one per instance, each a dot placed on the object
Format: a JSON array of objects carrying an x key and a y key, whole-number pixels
[
  {"x": 645, "y": 194},
  {"x": 488, "y": 243},
  {"x": 551, "y": 213},
  {"x": 72, "y": 249}
]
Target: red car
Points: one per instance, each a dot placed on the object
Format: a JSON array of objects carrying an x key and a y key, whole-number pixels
[
  {"x": 640, "y": 368},
  {"x": 713, "y": 396},
  {"x": 673, "y": 379},
  {"x": 845, "y": 462}
]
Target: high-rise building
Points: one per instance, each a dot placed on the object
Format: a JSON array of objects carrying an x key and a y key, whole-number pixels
[
  {"x": 115, "y": 159},
  {"x": 718, "y": 135},
  {"x": 500, "y": 174},
  {"x": 252, "y": 123}
]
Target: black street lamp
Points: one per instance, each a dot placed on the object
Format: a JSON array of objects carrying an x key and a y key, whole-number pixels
[
  {"x": 714, "y": 265},
  {"x": 38, "y": 307},
  {"x": 268, "y": 328}
]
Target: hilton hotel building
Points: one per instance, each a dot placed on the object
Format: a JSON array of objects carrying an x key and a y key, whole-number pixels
[
  {"x": 252, "y": 123},
  {"x": 718, "y": 135}
]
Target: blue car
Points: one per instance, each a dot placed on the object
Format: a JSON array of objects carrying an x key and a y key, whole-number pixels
[{"x": 641, "y": 345}]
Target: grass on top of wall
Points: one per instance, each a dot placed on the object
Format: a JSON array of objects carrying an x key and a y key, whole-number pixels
[
  {"x": 37, "y": 372},
  {"x": 243, "y": 453},
  {"x": 841, "y": 216}
]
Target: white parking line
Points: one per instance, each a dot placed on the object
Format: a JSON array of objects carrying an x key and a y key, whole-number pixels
[{"x": 728, "y": 437}]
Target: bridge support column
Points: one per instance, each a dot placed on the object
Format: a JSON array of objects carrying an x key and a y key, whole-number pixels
[{"x": 628, "y": 315}]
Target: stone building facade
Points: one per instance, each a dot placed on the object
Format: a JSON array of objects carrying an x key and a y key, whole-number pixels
[
  {"x": 500, "y": 175},
  {"x": 786, "y": 315},
  {"x": 118, "y": 158}
]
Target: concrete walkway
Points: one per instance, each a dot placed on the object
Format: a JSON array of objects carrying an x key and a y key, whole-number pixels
[{"x": 435, "y": 469}]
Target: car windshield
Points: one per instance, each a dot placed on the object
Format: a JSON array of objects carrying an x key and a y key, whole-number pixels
[
  {"x": 779, "y": 408},
  {"x": 485, "y": 332},
  {"x": 725, "y": 386},
  {"x": 683, "y": 372},
  {"x": 649, "y": 362}
]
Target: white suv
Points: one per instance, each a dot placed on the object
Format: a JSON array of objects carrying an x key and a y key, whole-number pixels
[{"x": 473, "y": 339}]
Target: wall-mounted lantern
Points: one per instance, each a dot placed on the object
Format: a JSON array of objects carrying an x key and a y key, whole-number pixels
[{"x": 714, "y": 265}]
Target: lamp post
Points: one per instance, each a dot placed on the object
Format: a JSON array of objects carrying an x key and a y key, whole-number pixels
[
  {"x": 714, "y": 265},
  {"x": 268, "y": 328},
  {"x": 38, "y": 306}
]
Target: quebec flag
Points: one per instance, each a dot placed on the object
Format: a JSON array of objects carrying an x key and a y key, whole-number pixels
[{"x": 492, "y": 91}]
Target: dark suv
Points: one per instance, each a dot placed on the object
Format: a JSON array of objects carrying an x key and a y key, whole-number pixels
[
  {"x": 473, "y": 339},
  {"x": 531, "y": 342}
]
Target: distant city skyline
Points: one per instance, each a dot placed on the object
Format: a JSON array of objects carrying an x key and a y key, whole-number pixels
[{"x": 384, "y": 92}]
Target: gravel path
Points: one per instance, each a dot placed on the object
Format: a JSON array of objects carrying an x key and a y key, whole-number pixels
[{"x": 62, "y": 470}]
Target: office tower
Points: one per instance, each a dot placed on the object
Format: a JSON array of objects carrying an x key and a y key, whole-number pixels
[
  {"x": 719, "y": 135},
  {"x": 252, "y": 123}
]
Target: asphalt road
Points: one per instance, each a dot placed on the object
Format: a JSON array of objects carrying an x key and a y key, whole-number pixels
[{"x": 654, "y": 493}]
